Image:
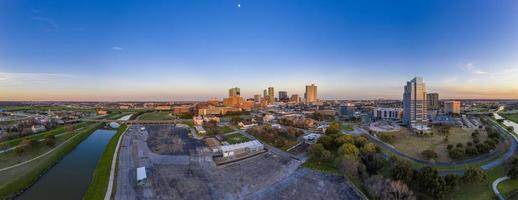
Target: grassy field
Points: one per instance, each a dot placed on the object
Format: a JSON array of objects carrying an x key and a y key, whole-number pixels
[
  {"x": 16, "y": 179},
  {"x": 508, "y": 186},
  {"x": 325, "y": 166},
  {"x": 236, "y": 138},
  {"x": 512, "y": 117},
  {"x": 99, "y": 184},
  {"x": 216, "y": 130},
  {"x": 41, "y": 135},
  {"x": 412, "y": 145},
  {"x": 155, "y": 116}
]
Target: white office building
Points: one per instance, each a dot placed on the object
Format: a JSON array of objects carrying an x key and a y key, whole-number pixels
[{"x": 414, "y": 104}]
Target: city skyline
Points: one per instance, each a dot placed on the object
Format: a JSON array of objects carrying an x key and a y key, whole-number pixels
[{"x": 98, "y": 51}]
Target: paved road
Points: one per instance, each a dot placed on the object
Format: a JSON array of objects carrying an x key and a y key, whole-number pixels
[
  {"x": 495, "y": 187},
  {"x": 126, "y": 169},
  {"x": 111, "y": 180},
  {"x": 510, "y": 151}
]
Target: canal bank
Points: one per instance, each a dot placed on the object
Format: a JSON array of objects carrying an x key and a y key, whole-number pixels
[
  {"x": 14, "y": 181},
  {"x": 69, "y": 179}
]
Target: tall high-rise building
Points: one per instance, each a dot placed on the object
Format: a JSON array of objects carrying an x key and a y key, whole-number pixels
[
  {"x": 311, "y": 93},
  {"x": 271, "y": 95},
  {"x": 265, "y": 94},
  {"x": 234, "y": 92},
  {"x": 414, "y": 104},
  {"x": 257, "y": 98},
  {"x": 432, "y": 100},
  {"x": 283, "y": 96},
  {"x": 295, "y": 98}
]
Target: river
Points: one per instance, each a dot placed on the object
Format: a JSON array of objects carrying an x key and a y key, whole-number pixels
[{"x": 70, "y": 178}]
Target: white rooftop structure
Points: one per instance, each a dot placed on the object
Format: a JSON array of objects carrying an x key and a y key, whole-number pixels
[
  {"x": 230, "y": 150},
  {"x": 141, "y": 175}
]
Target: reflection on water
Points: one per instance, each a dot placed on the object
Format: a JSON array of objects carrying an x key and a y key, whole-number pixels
[{"x": 70, "y": 178}]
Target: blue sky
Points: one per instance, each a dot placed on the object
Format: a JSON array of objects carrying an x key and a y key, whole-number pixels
[{"x": 183, "y": 50}]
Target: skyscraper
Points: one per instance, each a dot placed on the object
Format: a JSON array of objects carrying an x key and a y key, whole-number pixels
[
  {"x": 271, "y": 95},
  {"x": 432, "y": 100},
  {"x": 283, "y": 96},
  {"x": 265, "y": 94},
  {"x": 295, "y": 98},
  {"x": 234, "y": 92},
  {"x": 311, "y": 93},
  {"x": 414, "y": 104},
  {"x": 257, "y": 98}
]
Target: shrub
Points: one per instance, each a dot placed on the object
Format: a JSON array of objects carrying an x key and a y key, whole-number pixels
[{"x": 429, "y": 154}]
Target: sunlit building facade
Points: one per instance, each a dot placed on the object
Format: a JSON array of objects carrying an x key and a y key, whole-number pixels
[{"x": 414, "y": 104}]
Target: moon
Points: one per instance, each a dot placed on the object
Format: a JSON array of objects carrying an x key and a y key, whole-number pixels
[{"x": 239, "y": 5}]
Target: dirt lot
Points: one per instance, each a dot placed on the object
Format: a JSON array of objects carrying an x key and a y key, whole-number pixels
[
  {"x": 265, "y": 176},
  {"x": 161, "y": 140}
]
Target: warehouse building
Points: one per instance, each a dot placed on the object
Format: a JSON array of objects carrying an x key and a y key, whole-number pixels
[{"x": 241, "y": 148}]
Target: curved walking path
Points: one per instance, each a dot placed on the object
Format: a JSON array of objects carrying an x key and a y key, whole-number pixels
[
  {"x": 495, "y": 187},
  {"x": 109, "y": 190},
  {"x": 37, "y": 157},
  {"x": 508, "y": 154}
]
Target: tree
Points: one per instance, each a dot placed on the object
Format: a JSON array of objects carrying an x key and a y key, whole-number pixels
[
  {"x": 428, "y": 179},
  {"x": 50, "y": 140},
  {"x": 348, "y": 167},
  {"x": 334, "y": 128},
  {"x": 360, "y": 141},
  {"x": 319, "y": 153},
  {"x": 397, "y": 190},
  {"x": 451, "y": 181},
  {"x": 375, "y": 185},
  {"x": 348, "y": 149},
  {"x": 327, "y": 141},
  {"x": 429, "y": 154},
  {"x": 369, "y": 148},
  {"x": 513, "y": 172},
  {"x": 340, "y": 140},
  {"x": 235, "y": 119},
  {"x": 474, "y": 175},
  {"x": 402, "y": 170},
  {"x": 381, "y": 188}
]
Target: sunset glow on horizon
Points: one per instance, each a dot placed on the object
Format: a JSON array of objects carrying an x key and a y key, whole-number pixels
[{"x": 195, "y": 50}]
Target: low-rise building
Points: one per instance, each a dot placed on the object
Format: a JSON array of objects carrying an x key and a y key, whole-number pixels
[
  {"x": 452, "y": 107},
  {"x": 388, "y": 113},
  {"x": 200, "y": 130},
  {"x": 183, "y": 109},
  {"x": 197, "y": 120},
  {"x": 241, "y": 148}
]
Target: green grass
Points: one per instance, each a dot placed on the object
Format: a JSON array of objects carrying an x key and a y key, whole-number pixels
[
  {"x": 347, "y": 126},
  {"x": 215, "y": 130},
  {"x": 101, "y": 176},
  {"x": 236, "y": 138},
  {"x": 55, "y": 131},
  {"x": 508, "y": 186},
  {"x": 188, "y": 123},
  {"x": 512, "y": 117},
  {"x": 155, "y": 116},
  {"x": 17, "y": 179},
  {"x": 323, "y": 166}
]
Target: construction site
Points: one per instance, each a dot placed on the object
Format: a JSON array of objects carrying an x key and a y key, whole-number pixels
[{"x": 177, "y": 166}]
